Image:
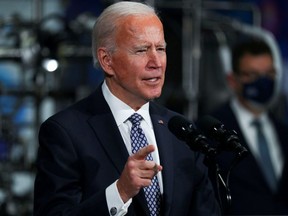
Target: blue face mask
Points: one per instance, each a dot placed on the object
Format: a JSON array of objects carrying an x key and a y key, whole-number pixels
[{"x": 260, "y": 91}]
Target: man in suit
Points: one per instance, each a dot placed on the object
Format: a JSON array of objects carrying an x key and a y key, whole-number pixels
[
  {"x": 86, "y": 162},
  {"x": 253, "y": 82}
]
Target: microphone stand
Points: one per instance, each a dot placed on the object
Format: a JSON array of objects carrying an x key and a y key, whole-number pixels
[
  {"x": 200, "y": 144},
  {"x": 210, "y": 162}
]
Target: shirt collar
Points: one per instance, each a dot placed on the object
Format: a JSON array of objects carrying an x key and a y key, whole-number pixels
[
  {"x": 120, "y": 110},
  {"x": 244, "y": 116}
]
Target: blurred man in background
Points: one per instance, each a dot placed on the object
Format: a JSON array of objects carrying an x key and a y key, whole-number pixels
[{"x": 259, "y": 183}]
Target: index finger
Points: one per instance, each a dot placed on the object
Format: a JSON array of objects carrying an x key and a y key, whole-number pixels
[{"x": 144, "y": 152}]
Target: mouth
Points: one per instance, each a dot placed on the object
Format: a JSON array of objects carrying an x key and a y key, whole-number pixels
[{"x": 152, "y": 80}]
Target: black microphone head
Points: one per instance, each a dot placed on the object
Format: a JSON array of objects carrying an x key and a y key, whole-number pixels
[
  {"x": 187, "y": 131},
  {"x": 180, "y": 127},
  {"x": 208, "y": 124},
  {"x": 228, "y": 139}
]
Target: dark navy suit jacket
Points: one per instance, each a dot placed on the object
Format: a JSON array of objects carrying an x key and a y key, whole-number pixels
[
  {"x": 250, "y": 192},
  {"x": 82, "y": 152}
]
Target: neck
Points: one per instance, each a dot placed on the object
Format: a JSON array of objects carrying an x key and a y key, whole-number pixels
[{"x": 256, "y": 111}]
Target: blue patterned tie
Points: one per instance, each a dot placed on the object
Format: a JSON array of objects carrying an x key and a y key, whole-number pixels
[
  {"x": 138, "y": 141},
  {"x": 265, "y": 158}
]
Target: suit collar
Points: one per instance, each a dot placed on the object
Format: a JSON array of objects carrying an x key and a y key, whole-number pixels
[{"x": 165, "y": 148}]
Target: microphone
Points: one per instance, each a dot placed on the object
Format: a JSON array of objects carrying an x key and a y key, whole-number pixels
[
  {"x": 228, "y": 139},
  {"x": 186, "y": 131}
]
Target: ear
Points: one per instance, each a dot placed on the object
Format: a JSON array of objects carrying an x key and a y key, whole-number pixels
[{"x": 105, "y": 60}]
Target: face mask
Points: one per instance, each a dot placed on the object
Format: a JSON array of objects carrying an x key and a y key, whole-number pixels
[{"x": 260, "y": 91}]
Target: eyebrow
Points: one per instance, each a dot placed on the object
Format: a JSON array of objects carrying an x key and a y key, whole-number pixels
[{"x": 145, "y": 45}]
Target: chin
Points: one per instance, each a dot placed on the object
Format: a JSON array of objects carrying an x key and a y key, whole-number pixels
[
  {"x": 154, "y": 97},
  {"x": 157, "y": 94},
  {"x": 153, "y": 94}
]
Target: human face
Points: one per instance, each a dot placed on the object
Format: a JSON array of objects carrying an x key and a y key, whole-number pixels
[
  {"x": 251, "y": 67},
  {"x": 255, "y": 81},
  {"x": 138, "y": 64}
]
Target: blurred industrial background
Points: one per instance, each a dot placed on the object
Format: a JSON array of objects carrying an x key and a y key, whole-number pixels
[{"x": 46, "y": 64}]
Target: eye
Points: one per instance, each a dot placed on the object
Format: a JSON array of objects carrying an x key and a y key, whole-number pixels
[
  {"x": 161, "y": 49},
  {"x": 141, "y": 50}
]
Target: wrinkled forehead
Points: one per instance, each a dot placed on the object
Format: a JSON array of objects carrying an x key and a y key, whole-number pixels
[
  {"x": 139, "y": 26},
  {"x": 138, "y": 21}
]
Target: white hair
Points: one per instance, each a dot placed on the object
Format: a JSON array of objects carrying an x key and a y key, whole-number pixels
[{"x": 104, "y": 29}]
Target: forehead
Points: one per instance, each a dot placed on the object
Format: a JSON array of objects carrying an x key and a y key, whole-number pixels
[
  {"x": 139, "y": 26},
  {"x": 256, "y": 61}
]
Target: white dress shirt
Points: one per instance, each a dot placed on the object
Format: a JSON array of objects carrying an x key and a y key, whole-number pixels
[
  {"x": 245, "y": 118},
  {"x": 121, "y": 113}
]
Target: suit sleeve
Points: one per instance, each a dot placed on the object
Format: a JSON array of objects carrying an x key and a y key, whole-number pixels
[{"x": 57, "y": 189}]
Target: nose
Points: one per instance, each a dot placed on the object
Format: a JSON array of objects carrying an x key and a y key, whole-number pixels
[{"x": 155, "y": 58}]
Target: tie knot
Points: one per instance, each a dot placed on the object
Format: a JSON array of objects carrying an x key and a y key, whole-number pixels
[
  {"x": 257, "y": 123},
  {"x": 135, "y": 119}
]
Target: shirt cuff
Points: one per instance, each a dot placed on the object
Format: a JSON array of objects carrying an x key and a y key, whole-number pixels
[{"x": 116, "y": 206}]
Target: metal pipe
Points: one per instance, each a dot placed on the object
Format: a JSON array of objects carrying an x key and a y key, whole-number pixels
[
  {"x": 37, "y": 9},
  {"x": 191, "y": 33}
]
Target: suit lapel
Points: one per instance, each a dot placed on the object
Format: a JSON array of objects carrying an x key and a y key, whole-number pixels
[
  {"x": 165, "y": 149},
  {"x": 111, "y": 139},
  {"x": 109, "y": 136},
  {"x": 106, "y": 130},
  {"x": 281, "y": 131}
]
